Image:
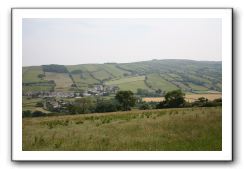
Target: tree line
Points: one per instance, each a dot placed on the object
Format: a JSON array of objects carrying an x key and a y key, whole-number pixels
[{"x": 124, "y": 101}]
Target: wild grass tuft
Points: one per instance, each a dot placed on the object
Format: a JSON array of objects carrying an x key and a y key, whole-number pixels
[{"x": 152, "y": 130}]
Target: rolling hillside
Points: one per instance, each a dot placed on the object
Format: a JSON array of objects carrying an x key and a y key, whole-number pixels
[
  {"x": 185, "y": 129},
  {"x": 188, "y": 75}
]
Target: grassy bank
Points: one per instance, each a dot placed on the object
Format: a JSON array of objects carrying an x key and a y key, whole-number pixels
[{"x": 164, "y": 130}]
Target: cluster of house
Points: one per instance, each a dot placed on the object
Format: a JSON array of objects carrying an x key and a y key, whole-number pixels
[
  {"x": 97, "y": 90},
  {"x": 101, "y": 90},
  {"x": 46, "y": 94},
  {"x": 52, "y": 104}
]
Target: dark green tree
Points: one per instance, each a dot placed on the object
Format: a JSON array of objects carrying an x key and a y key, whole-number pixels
[
  {"x": 41, "y": 76},
  {"x": 175, "y": 98},
  {"x": 158, "y": 91},
  {"x": 144, "y": 106},
  {"x": 201, "y": 102},
  {"x": 39, "y": 104},
  {"x": 106, "y": 106},
  {"x": 126, "y": 99},
  {"x": 38, "y": 113},
  {"x": 83, "y": 105}
]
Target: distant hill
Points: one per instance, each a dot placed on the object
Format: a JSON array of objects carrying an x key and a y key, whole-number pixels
[{"x": 187, "y": 75}]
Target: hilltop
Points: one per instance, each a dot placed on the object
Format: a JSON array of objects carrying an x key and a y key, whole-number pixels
[{"x": 156, "y": 75}]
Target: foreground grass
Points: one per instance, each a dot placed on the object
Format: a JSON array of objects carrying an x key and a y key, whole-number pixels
[{"x": 193, "y": 129}]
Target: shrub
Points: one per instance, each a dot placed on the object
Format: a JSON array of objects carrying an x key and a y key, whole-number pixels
[
  {"x": 106, "y": 106},
  {"x": 41, "y": 76},
  {"x": 144, "y": 106},
  {"x": 39, "y": 104},
  {"x": 26, "y": 113},
  {"x": 81, "y": 106},
  {"x": 203, "y": 102},
  {"x": 38, "y": 114}
]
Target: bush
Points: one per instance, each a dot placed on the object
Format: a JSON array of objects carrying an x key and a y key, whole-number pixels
[
  {"x": 144, "y": 106},
  {"x": 39, "y": 104},
  {"x": 200, "y": 102},
  {"x": 26, "y": 113},
  {"x": 38, "y": 114},
  {"x": 81, "y": 106},
  {"x": 187, "y": 104},
  {"x": 161, "y": 105},
  {"x": 173, "y": 99},
  {"x": 218, "y": 102},
  {"x": 106, "y": 106},
  {"x": 203, "y": 102},
  {"x": 41, "y": 76}
]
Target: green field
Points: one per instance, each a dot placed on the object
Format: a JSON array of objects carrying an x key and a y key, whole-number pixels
[
  {"x": 188, "y": 75},
  {"x": 26, "y": 89},
  {"x": 129, "y": 83},
  {"x": 186, "y": 129},
  {"x": 91, "y": 67},
  {"x": 30, "y": 104},
  {"x": 133, "y": 86},
  {"x": 76, "y": 67},
  {"x": 156, "y": 82},
  {"x": 85, "y": 78},
  {"x": 101, "y": 75},
  {"x": 197, "y": 87},
  {"x": 125, "y": 80},
  {"x": 30, "y": 74},
  {"x": 138, "y": 67},
  {"x": 116, "y": 72},
  {"x": 62, "y": 80},
  {"x": 174, "y": 76},
  {"x": 84, "y": 81}
]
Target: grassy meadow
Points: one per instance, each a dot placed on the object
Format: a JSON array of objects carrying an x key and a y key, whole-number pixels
[
  {"x": 182, "y": 129},
  {"x": 62, "y": 80},
  {"x": 156, "y": 82}
]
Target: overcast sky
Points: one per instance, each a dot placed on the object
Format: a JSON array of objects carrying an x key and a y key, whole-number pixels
[{"x": 79, "y": 41}]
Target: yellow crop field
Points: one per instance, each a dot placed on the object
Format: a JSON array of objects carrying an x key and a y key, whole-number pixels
[
  {"x": 209, "y": 96},
  {"x": 188, "y": 97},
  {"x": 153, "y": 99}
]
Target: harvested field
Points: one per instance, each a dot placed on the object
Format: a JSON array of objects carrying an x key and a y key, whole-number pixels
[
  {"x": 188, "y": 97},
  {"x": 209, "y": 96},
  {"x": 153, "y": 99}
]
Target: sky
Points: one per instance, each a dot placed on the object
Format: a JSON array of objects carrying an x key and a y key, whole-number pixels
[{"x": 80, "y": 41}]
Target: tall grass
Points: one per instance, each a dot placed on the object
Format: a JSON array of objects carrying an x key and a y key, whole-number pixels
[{"x": 186, "y": 129}]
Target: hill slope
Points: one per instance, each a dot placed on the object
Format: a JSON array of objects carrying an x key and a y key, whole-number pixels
[
  {"x": 187, "y": 75},
  {"x": 145, "y": 130}
]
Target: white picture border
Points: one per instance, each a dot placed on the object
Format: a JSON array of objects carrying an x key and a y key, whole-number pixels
[{"x": 18, "y": 155}]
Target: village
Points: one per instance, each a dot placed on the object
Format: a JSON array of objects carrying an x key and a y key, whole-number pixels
[
  {"x": 63, "y": 101},
  {"x": 96, "y": 90}
]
